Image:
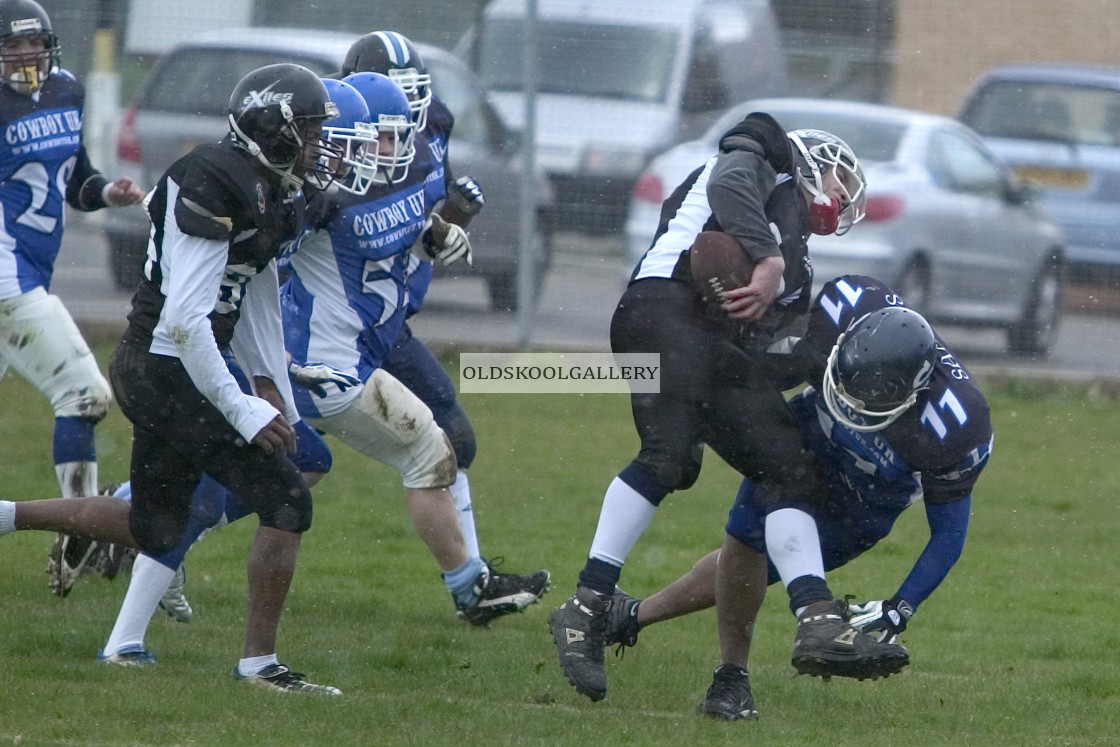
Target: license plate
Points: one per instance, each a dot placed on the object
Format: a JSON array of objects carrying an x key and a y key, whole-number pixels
[{"x": 1053, "y": 177}]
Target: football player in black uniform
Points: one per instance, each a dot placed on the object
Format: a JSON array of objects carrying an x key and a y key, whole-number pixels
[
  {"x": 893, "y": 417},
  {"x": 769, "y": 190},
  {"x": 221, "y": 215}
]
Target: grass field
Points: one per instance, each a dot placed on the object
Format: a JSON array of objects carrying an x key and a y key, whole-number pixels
[{"x": 1020, "y": 646}]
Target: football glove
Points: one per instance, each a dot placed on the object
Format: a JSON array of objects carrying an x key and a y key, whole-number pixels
[
  {"x": 884, "y": 619},
  {"x": 445, "y": 242},
  {"x": 466, "y": 195},
  {"x": 314, "y": 375}
]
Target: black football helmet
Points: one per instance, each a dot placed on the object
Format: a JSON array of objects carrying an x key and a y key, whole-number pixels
[
  {"x": 877, "y": 367},
  {"x": 816, "y": 153},
  {"x": 392, "y": 54},
  {"x": 25, "y": 71},
  {"x": 276, "y": 112}
]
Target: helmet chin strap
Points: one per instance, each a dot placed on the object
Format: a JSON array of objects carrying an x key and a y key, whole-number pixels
[
  {"x": 824, "y": 215},
  {"x": 287, "y": 179},
  {"x": 26, "y": 80}
]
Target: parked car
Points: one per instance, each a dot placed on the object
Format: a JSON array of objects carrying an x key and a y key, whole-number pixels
[
  {"x": 184, "y": 99},
  {"x": 948, "y": 225},
  {"x": 617, "y": 82},
  {"x": 1058, "y": 127}
]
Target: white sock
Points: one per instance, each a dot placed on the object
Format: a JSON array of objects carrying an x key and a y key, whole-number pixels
[
  {"x": 7, "y": 517},
  {"x": 77, "y": 479},
  {"x": 622, "y": 520},
  {"x": 146, "y": 587},
  {"x": 793, "y": 544},
  {"x": 254, "y": 664},
  {"x": 461, "y": 494}
]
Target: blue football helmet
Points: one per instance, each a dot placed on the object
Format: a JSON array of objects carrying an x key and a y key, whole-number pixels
[
  {"x": 877, "y": 367},
  {"x": 354, "y": 134},
  {"x": 396, "y": 132}
]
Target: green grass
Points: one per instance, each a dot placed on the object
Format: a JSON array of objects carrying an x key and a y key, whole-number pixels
[{"x": 1018, "y": 647}]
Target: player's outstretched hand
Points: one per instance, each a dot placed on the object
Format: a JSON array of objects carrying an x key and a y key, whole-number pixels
[
  {"x": 466, "y": 195},
  {"x": 314, "y": 375},
  {"x": 446, "y": 242},
  {"x": 885, "y": 618},
  {"x": 123, "y": 192}
]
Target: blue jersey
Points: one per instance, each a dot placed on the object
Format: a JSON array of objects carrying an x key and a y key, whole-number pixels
[
  {"x": 431, "y": 159},
  {"x": 345, "y": 300},
  {"x": 42, "y": 165},
  {"x": 946, "y": 436},
  {"x": 936, "y": 450}
]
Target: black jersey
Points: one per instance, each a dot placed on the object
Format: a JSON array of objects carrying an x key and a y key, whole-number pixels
[
  {"x": 947, "y": 433},
  {"x": 217, "y": 192},
  {"x": 748, "y": 190}
]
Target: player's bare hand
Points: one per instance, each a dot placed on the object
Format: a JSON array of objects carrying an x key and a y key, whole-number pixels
[
  {"x": 750, "y": 302},
  {"x": 278, "y": 437},
  {"x": 123, "y": 192}
]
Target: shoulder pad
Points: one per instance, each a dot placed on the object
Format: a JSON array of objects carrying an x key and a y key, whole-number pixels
[{"x": 219, "y": 188}]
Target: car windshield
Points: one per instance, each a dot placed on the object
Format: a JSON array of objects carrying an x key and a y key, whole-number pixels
[
  {"x": 198, "y": 81},
  {"x": 618, "y": 62},
  {"x": 1083, "y": 115}
]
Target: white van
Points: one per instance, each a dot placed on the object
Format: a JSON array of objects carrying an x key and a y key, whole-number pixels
[{"x": 620, "y": 80}]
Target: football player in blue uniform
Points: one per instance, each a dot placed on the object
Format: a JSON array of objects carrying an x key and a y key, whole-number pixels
[
  {"x": 43, "y": 167},
  {"x": 221, "y": 216},
  {"x": 458, "y": 200},
  {"x": 344, "y": 307},
  {"x": 893, "y": 417}
]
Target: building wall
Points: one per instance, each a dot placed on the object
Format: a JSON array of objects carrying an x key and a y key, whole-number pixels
[{"x": 942, "y": 47}]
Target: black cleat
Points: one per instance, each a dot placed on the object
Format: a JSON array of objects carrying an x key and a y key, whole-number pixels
[
  {"x": 827, "y": 646},
  {"x": 624, "y": 620},
  {"x": 729, "y": 696},
  {"x": 501, "y": 594},
  {"x": 279, "y": 677},
  {"x": 579, "y": 628}
]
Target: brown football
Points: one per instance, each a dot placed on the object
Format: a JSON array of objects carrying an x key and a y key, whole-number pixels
[{"x": 719, "y": 263}]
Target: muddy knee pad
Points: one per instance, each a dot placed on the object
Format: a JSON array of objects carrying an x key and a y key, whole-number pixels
[
  {"x": 390, "y": 424},
  {"x": 61, "y": 365}
]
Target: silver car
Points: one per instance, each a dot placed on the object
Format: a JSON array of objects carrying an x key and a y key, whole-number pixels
[
  {"x": 1058, "y": 127},
  {"x": 948, "y": 226},
  {"x": 184, "y": 99}
]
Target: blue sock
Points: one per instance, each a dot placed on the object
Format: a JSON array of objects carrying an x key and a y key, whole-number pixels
[
  {"x": 73, "y": 440},
  {"x": 460, "y": 582}
]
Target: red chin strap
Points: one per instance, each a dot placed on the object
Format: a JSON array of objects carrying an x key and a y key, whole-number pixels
[{"x": 824, "y": 215}]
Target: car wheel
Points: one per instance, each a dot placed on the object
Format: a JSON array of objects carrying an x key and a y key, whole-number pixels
[
  {"x": 915, "y": 286},
  {"x": 126, "y": 261},
  {"x": 1037, "y": 328}
]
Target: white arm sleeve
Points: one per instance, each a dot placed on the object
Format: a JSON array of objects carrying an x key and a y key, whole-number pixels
[
  {"x": 258, "y": 338},
  {"x": 197, "y": 267}
]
